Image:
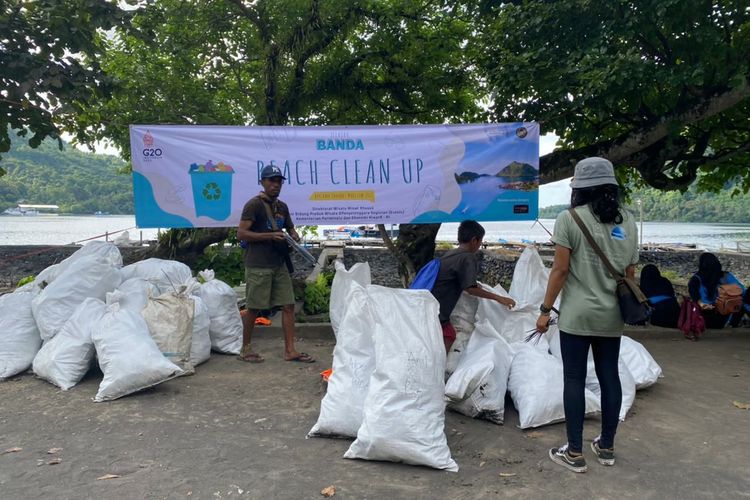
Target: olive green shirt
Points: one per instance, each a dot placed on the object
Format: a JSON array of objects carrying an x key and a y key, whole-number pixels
[{"x": 588, "y": 305}]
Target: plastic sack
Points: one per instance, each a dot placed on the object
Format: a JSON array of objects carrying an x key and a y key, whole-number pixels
[
  {"x": 529, "y": 282},
  {"x": 226, "y": 323},
  {"x": 626, "y": 383},
  {"x": 19, "y": 336},
  {"x": 478, "y": 385},
  {"x": 514, "y": 325},
  {"x": 90, "y": 276},
  {"x": 456, "y": 351},
  {"x": 341, "y": 287},
  {"x": 135, "y": 293},
  {"x": 103, "y": 250},
  {"x": 65, "y": 359},
  {"x": 463, "y": 319},
  {"x": 170, "y": 322},
  {"x": 128, "y": 356},
  {"x": 342, "y": 407},
  {"x": 536, "y": 386},
  {"x": 645, "y": 370},
  {"x": 200, "y": 349},
  {"x": 404, "y": 412},
  {"x": 167, "y": 275}
]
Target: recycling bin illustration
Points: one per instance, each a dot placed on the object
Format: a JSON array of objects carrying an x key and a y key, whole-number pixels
[{"x": 212, "y": 193}]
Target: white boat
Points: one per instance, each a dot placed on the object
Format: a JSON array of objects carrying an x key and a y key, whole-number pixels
[{"x": 18, "y": 211}]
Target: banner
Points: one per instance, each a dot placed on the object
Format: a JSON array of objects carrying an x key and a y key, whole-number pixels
[{"x": 202, "y": 176}]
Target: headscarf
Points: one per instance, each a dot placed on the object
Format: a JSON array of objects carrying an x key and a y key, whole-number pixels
[
  {"x": 650, "y": 276},
  {"x": 710, "y": 272}
]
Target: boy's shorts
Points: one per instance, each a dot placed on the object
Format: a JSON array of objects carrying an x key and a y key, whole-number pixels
[
  {"x": 267, "y": 287},
  {"x": 449, "y": 333}
]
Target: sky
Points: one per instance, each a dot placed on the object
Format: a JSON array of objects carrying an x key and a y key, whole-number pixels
[{"x": 554, "y": 193}]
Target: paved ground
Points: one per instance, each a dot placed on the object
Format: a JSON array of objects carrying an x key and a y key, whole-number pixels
[{"x": 238, "y": 431}]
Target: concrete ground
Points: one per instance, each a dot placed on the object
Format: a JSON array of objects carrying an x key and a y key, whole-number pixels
[{"x": 237, "y": 430}]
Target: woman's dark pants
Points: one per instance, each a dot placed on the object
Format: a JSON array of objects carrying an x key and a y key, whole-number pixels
[{"x": 575, "y": 350}]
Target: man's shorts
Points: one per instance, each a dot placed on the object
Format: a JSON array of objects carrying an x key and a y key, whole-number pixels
[
  {"x": 449, "y": 333},
  {"x": 267, "y": 287}
]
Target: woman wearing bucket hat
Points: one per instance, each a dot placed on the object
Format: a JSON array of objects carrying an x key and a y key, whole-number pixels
[{"x": 589, "y": 312}]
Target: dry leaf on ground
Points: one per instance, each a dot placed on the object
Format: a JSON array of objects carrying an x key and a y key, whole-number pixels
[
  {"x": 741, "y": 406},
  {"x": 328, "y": 491},
  {"x": 507, "y": 474},
  {"x": 108, "y": 476},
  {"x": 12, "y": 450},
  {"x": 55, "y": 461},
  {"x": 52, "y": 451}
]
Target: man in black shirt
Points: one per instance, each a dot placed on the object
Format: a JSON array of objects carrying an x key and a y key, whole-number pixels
[
  {"x": 269, "y": 283},
  {"x": 458, "y": 273}
]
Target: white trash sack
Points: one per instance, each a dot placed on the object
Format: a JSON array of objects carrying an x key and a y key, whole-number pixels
[
  {"x": 478, "y": 385},
  {"x": 463, "y": 319},
  {"x": 536, "y": 386},
  {"x": 167, "y": 275},
  {"x": 103, "y": 250},
  {"x": 135, "y": 293},
  {"x": 19, "y": 336},
  {"x": 170, "y": 322},
  {"x": 65, "y": 359},
  {"x": 342, "y": 407},
  {"x": 626, "y": 383},
  {"x": 645, "y": 370},
  {"x": 200, "y": 349},
  {"x": 342, "y": 286},
  {"x": 91, "y": 276},
  {"x": 404, "y": 412},
  {"x": 226, "y": 322},
  {"x": 128, "y": 356}
]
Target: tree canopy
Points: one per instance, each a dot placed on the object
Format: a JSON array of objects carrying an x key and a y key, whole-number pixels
[
  {"x": 292, "y": 62},
  {"x": 49, "y": 68},
  {"x": 657, "y": 86}
]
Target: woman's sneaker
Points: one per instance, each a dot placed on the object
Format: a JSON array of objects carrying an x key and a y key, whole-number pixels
[
  {"x": 603, "y": 455},
  {"x": 563, "y": 457}
]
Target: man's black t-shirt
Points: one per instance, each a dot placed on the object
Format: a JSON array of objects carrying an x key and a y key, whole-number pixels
[
  {"x": 458, "y": 271},
  {"x": 266, "y": 253}
]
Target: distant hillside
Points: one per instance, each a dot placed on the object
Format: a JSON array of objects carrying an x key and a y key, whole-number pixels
[
  {"x": 517, "y": 169},
  {"x": 81, "y": 183},
  {"x": 674, "y": 206}
]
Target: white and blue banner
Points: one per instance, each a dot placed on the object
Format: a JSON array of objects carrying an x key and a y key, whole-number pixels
[{"x": 202, "y": 176}]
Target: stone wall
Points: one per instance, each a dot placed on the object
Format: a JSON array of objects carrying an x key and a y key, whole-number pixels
[{"x": 17, "y": 262}]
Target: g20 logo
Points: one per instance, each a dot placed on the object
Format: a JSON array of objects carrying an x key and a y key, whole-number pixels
[{"x": 152, "y": 152}]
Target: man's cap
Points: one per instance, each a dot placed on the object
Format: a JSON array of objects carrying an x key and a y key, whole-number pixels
[
  {"x": 592, "y": 172},
  {"x": 271, "y": 171}
]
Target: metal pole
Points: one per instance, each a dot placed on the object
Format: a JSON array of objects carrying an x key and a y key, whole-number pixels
[
  {"x": 106, "y": 235},
  {"x": 640, "y": 208},
  {"x": 141, "y": 238}
]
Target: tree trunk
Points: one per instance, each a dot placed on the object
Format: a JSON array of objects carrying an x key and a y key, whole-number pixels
[
  {"x": 413, "y": 249},
  {"x": 185, "y": 245}
]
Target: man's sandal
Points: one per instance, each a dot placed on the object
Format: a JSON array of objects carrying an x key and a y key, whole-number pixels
[
  {"x": 251, "y": 357},
  {"x": 303, "y": 358}
]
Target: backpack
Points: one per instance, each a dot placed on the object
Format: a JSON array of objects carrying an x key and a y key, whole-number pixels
[
  {"x": 729, "y": 299},
  {"x": 690, "y": 321},
  {"x": 426, "y": 277}
]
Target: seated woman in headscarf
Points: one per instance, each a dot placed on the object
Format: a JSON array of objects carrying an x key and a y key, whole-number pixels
[
  {"x": 704, "y": 290},
  {"x": 660, "y": 293}
]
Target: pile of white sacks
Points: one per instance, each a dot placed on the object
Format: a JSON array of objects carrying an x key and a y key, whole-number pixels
[
  {"x": 145, "y": 323},
  {"x": 387, "y": 389}
]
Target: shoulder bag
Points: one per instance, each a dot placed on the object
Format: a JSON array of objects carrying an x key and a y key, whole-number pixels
[{"x": 634, "y": 305}]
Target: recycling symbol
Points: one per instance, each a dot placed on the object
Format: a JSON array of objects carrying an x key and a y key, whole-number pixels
[{"x": 211, "y": 191}]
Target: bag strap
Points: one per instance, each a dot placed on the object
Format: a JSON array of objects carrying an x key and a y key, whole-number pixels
[
  {"x": 615, "y": 274},
  {"x": 269, "y": 213}
]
